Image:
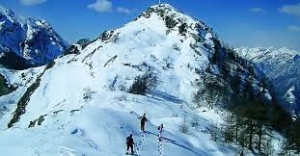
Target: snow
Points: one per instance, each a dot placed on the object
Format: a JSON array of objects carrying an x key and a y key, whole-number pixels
[
  {"x": 289, "y": 95},
  {"x": 21, "y": 77},
  {"x": 25, "y": 37},
  {"x": 281, "y": 66},
  {"x": 87, "y": 110},
  {"x": 104, "y": 127},
  {"x": 21, "y": 80}
]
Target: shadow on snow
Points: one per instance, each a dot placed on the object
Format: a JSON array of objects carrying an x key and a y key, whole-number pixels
[{"x": 173, "y": 142}]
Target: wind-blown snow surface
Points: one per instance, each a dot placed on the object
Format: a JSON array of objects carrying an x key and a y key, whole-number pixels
[
  {"x": 87, "y": 110},
  {"x": 29, "y": 39},
  {"x": 282, "y": 66}
]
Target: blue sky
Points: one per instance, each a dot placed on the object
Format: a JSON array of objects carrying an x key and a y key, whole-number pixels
[{"x": 238, "y": 22}]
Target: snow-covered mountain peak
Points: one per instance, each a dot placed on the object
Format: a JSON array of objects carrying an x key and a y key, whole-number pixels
[
  {"x": 6, "y": 11},
  {"x": 164, "y": 6},
  {"x": 158, "y": 24},
  {"x": 30, "y": 41},
  {"x": 9, "y": 15},
  {"x": 174, "y": 18},
  {"x": 166, "y": 9}
]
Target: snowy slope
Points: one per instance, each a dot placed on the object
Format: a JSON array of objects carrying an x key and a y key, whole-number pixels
[
  {"x": 21, "y": 80},
  {"x": 81, "y": 105},
  {"x": 282, "y": 66},
  {"x": 29, "y": 41}
]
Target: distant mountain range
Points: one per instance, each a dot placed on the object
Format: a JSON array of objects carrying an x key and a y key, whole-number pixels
[
  {"x": 27, "y": 42},
  {"x": 282, "y": 67}
]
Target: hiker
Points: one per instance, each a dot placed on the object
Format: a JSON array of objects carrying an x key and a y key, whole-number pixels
[
  {"x": 160, "y": 129},
  {"x": 143, "y": 122},
  {"x": 129, "y": 143}
]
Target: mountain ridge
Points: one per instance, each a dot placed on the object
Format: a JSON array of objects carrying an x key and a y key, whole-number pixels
[
  {"x": 29, "y": 41},
  {"x": 281, "y": 66}
]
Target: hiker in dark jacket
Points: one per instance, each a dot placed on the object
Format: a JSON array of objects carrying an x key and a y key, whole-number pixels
[
  {"x": 160, "y": 130},
  {"x": 143, "y": 122},
  {"x": 130, "y": 143}
]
